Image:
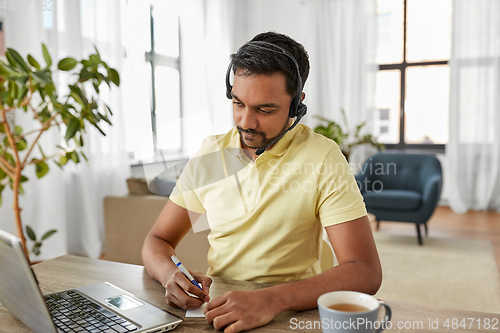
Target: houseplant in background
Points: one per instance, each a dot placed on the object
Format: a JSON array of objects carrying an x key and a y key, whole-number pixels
[
  {"x": 26, "y": 85},
  {"x": 345, "y": 138}
]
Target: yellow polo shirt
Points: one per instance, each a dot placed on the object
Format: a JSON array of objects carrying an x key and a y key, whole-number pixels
[{"x": 266, "y": 216}]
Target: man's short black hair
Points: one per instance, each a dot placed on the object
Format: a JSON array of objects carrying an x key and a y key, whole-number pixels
[{"x": 255, "y": 60}]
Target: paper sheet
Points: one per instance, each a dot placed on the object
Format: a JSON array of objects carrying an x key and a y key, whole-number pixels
[{"x": 197, "y": 312}]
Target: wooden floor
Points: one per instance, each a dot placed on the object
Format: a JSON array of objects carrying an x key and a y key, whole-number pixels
[{"x": 444, "y": 223}]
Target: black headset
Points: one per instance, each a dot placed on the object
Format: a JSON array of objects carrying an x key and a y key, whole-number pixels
[{"x": 297, "y": 108}]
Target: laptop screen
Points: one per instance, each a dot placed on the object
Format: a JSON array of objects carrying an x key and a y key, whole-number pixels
[{"x": 19, "y": 290}]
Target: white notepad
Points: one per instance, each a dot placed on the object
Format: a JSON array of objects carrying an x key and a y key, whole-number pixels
[{"x": 197, "y": 312}]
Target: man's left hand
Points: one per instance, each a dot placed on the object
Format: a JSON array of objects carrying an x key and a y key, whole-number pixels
[{"x": 241, "y": 310}]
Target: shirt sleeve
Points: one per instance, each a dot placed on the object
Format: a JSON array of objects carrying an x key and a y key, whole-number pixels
[{"x": 339, "y": 198}]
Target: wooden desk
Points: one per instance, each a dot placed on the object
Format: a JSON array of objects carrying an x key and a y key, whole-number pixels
[{"x": 71, "y": 271}]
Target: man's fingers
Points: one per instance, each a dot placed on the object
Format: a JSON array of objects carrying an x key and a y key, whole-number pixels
[
  {"x": 222, "y": 321},
  {"x": 211, "y": 314},
  {"x": 205, "y": 281},
  {"x": 215, "y": 304},
  {"x": 186, "y": 285},
  {"x": 176, "y": 292},
  {"x": 172, "y": 300},
  {"x": 184, "y": 301},
  {"x": 235, "y": 327},
  {"x": 202, "y": 278}
]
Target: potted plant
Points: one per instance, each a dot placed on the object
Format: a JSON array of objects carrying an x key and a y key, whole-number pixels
[
  {"x": 346, "y": 139},
  {"x": 27, "y": 86}
]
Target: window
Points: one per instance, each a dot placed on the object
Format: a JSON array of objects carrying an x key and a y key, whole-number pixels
[
  {"x": 412, "y": 86},
  {"x": 152, "y": 79},
  {"x": 165, "y": 79}
]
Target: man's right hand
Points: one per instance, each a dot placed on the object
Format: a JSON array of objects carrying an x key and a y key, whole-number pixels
[{"x": 177, "y": 285}]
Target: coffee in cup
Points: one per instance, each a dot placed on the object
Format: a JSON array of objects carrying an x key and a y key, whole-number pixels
[{"x": 351, "y": 311}]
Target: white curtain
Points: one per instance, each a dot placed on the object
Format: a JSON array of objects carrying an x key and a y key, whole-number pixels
[
  {"x": 342, "y": 41},
  {"x": 205, "y": 42},
  {"x": 71, "y": 200},
  {"x": 473, "y": 150}
]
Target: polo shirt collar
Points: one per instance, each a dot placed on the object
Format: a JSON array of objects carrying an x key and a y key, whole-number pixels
[
  {"x": 282, "y": 145},
  {"x": 278, "y": 149}
]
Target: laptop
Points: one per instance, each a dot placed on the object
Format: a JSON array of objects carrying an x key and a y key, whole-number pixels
[{"x": 100, "y": 307}]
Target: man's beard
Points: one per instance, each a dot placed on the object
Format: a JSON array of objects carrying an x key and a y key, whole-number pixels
[{"x": 265, "y": 141}]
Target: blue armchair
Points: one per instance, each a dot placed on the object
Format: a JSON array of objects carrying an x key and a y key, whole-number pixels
[{"x": 401, "y": 187}]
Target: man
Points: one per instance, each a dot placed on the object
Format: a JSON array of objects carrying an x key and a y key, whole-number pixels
[{"x": 281, "y": 186}]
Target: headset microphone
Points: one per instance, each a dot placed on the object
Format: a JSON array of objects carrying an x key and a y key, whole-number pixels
[{"x": 263, "y": 149}]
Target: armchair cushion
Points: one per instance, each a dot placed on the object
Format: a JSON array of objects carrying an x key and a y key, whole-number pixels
[{"x": 400, "y": 200}]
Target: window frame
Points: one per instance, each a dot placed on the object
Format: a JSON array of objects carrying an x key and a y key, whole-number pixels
[
  {"x": 402, "y": 66},
  {"x": 155, "y": 60}
]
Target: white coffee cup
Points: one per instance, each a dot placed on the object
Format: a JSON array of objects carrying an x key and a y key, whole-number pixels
[{"x": 343, "y": 321}]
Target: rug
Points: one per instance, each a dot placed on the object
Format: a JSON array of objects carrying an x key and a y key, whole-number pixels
[{"x": 454, "y": 273}]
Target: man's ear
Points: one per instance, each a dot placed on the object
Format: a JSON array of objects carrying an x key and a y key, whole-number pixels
[{"x": 303, "y": 96}]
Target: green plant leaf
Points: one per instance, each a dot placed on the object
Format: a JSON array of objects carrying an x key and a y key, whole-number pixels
[
  {"x": 41, "y": 151},
  {"x": 58, "y": 164},
  {"x": 104, "y": 117},
  {"x": 2, "y": 128},
  {"x": 41, "y": 169},
  {"x": 21, "y": 94},
  {"x": 33, "y": 62},
  {"x": 114, "y": 76},
  {"x": 94, "y": 60},
  {"x": 21, "y": 81},
  {"x": 10, "y": 59},
  {"x": 18, "y": 59},
  {"x": 97, "y": 52},
  {"x": 21, "y": 144},
  {"x": 10, "y": 159},
  {"x": 31, "y": 233},
  {"x": 358, "y": 129},
  {"x": 41, "y": 78},
  {"x": 8, "y": 69},
  {"x": 73, "y": 127},
  {"x": 63, "y": 160},
  {"x": 75, "y": 157},
  {"x": 36, "y": 248},
  {"x": 85, "y": 157},
  {"x": 48, "y": 234},
  {"x": 2, "y": 175},
  {"x": 85, "y": 74},
  {"x": 13, "y": 90},
  {"x": 24, "y": 179},
  {"x": 18, "y": 130},
  {"x": 46, "y": 55},
  {"x": 109, "y": 110},
  {"x": 77, "y": 98},
  {"x": 67, "y": 64}
]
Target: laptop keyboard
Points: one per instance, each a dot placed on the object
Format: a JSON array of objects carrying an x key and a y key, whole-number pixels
[{"x": 73, "y": 312}]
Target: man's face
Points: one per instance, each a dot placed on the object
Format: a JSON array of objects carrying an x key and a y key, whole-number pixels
[{"x": 260, "y": 108}]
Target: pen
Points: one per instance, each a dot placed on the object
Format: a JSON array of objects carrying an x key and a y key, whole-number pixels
[{"x": 185, "y": 271}]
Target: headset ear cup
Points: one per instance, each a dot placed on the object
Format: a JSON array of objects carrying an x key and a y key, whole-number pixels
[
  {"x": 292, "y": 112},
  {"x": 301, "y": 110}
]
